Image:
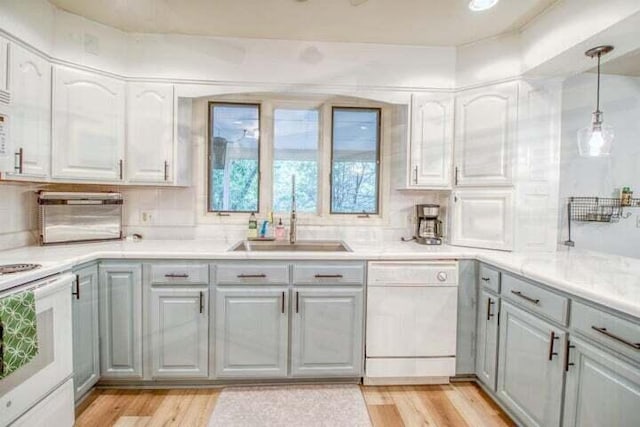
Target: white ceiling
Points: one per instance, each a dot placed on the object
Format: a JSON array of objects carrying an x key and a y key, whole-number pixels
[
  {"x": 417, "y": 22},
  {"x": 626, "y": 65}
]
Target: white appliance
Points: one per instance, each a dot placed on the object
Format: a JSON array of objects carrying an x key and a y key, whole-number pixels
[
  {"x": 41, "y": 389},
  {"x": 411, "y": 322}
]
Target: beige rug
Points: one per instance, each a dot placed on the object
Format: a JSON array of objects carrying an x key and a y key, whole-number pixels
[{"x": 298, "y": 405}]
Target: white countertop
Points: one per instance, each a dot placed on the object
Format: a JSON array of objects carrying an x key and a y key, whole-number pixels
[{"x": 610, "y": 280}]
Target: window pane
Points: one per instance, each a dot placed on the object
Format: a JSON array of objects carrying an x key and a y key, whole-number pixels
[
  {"x": 354, "y": 169},
  {"x": 235, "y": 137},
  {"x": 295, "y": 152}
]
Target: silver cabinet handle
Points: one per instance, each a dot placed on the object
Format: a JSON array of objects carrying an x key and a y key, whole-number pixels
[
  {"x": 201, "y": 302},
  {"x": 490, "y": 302},
  {"x": 120, "y": 165},
  {"x": 18, "y": 168},
  {"x": 552, "y": 341},
  {"x": 297, "y": 302},
  {"x": 282, "y": 306},
  {"x": 415, "y": 175},
  {"x": 328, "y": 276},
  {"x": 456, "y": 176},
  {"x": 252, "y": 276},
  {"x": 485, "y": 279},
  {"x": 524, "y": 297},
  {"x": 176, "y": 275},
  {"x": 166, "y": 170},
  {"x": 634, "y": 345}
]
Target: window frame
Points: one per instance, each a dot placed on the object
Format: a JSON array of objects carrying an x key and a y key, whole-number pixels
[
  {"x": 390, "y": 114},
  {"x": 210, "y": 128},
  {"x": 378, "y": 111}
]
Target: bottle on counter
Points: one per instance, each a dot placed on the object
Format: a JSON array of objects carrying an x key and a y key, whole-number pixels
[
  {"x": 252, "y": 232},
  {"x": 625, "y": 196},
  {"x": 280, "y": 231}
]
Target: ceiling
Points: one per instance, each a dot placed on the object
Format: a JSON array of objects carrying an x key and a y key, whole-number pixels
[
  {"x": 415, "y": 22},
  {"x": 626, "y": 65}
]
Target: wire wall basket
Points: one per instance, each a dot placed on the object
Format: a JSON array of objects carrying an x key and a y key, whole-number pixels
[{"x": 595, "y": 209}]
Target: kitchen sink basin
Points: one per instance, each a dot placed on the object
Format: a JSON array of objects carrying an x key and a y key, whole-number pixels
[{"x": 300, "y": 246}]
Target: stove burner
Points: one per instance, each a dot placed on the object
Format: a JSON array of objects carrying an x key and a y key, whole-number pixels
[{"x": 17, "y": 268}]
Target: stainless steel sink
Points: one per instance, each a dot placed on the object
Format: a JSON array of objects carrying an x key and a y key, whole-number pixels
[{"x": 300, "y": 246}]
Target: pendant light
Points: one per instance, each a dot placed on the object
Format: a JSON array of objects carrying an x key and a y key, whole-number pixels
[{"x": 597, "y": 139}]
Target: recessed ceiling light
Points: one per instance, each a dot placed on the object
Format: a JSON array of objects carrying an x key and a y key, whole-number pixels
[{"x": 480, "y": 5}]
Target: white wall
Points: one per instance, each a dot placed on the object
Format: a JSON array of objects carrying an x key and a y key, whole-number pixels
[
  {"x": 18, "y": 215},
  {"x": 602, "y": 177}
]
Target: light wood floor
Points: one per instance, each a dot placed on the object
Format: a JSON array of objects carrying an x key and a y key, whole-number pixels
[{"x": 458, "y": 404}]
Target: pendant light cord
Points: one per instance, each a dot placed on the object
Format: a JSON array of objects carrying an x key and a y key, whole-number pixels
[{"x": 598, "y": 90}]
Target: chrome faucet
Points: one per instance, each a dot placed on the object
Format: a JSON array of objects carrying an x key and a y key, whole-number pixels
[{"x": 292, "y": 217}]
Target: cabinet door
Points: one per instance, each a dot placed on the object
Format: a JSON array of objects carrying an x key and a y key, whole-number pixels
[
  {"x": 327, "y": 332},
  {"x": 482, "y": 219},
  {"x": 251, "y": 333},
  {"x": 431, "y": 142},
  {"x": 487, "y": 339},
  {"x": 530, "y": 367},
  {"x": 4, "y": 63},
  {"x": 149, "y": 133},
  {"x": 88, "y": 126},
  {"x": 86, "y": 348},
  {"x": 179, "y": 332},
  {"x": 30, "y": 86},
  {"x": 601, "y": 389},
  {"x": 121, "y": 320},
  {"x": 485, "y": 134}
]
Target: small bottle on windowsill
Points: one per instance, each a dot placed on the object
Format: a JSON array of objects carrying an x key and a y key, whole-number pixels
[{"x": 280, "y": 231}]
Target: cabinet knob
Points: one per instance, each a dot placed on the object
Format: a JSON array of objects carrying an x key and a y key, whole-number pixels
[{"x": 442, "y": 276}]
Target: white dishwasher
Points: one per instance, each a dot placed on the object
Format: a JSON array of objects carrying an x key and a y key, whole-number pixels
[{"x": 411, "y": 322}]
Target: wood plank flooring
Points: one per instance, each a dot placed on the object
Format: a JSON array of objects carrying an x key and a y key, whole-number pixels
[{"x": 457, "y": 404}]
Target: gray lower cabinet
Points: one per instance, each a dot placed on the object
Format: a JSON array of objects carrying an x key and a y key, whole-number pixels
[
  {"x": 487, "y": 339},
  {"x": 121, "y": 320},
  {"x": 251, "y": 332},
  {"x": 179, "y": 329},
  {"x": 601, "y": 389},
  {"x": 326, "y": 336},
  {"x": 531, "y": 367},
  {"x": 86, "y": 347}
]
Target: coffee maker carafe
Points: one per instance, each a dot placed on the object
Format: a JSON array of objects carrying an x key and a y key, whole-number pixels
[{"x": 428, "y": 226}]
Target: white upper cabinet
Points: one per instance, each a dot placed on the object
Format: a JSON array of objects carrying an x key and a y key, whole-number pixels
[
  {"x": 4, "y": 63},
  {"x": 150, "y": 130},
  {"x": 485, "y": 135},
  {"x": 431, "y": 141},
  {"x": 30, "y": 87},
  {"x": 483, "y": 218},
  {"x": 88, "y": 126}
]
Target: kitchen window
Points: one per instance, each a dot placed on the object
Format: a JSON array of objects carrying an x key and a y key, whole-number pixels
[
  {"x": 332, "y": 147},
  {"x": 355, "y": 160},
  {"x": 295, "y": 152},
  {"x": 234, "y": 157}
]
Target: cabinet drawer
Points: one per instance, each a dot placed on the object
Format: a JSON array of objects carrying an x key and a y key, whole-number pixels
[
  {"x": 489, "y": 278},
  {"x": 252, "y": 274},
  {"x": 178, "y": 273},
  {"x": 546, "y": 303},
  {"x": 614, "y": 332},
  {"x": 412, "y": 273},
  {"x": 328, "y": 274}
]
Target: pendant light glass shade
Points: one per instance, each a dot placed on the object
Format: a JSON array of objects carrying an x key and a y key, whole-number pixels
[{"x": 597, "y": 139}]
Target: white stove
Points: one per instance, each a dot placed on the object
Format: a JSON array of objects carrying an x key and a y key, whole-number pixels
[{"x": 19, "y": 273}]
